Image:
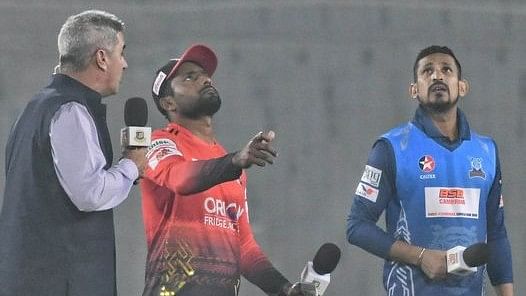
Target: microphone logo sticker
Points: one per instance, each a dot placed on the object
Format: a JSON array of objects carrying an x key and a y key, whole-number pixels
[
  {"x": 452, "y": 259},
  {"x": 139, "y": 136}
]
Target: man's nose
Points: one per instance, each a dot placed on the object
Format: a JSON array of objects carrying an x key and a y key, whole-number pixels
[
  {"x": 207, "y": 80},
  {"x": 437, "y": 75}
]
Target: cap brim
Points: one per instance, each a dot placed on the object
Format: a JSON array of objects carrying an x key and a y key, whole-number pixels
[{"x": 199, "y": 54}]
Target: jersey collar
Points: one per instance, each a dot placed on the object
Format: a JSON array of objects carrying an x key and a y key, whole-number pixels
[{"x": 423, "y": 121}]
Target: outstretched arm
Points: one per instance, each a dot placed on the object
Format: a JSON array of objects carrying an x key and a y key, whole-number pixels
[{"x": 168, "y": 167}]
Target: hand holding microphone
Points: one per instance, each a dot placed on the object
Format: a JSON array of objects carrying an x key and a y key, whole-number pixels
[
  {"x": 135, "y": 137},
  {"x": 317, "y": 272},
  {"x": 136, "y": 134},
  {"x": 464, "y": 261},
  {"x": 138, "y": 156},
  {"x": 459, "y": 260},
  {"x": 433, "y": 264},
  {"x": 257, "y": 151},
  {"x": 302, "y": 289}
]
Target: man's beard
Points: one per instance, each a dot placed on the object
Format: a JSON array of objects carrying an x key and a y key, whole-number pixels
[
  {"x": 439, "y": 106},
  {"x": 208, "y": 104}
]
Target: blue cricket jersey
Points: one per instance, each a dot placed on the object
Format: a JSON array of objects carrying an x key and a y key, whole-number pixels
[{"x": 437, "y": 194}]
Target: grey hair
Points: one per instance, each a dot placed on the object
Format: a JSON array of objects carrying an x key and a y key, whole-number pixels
[{"x": 83, "y": 34}]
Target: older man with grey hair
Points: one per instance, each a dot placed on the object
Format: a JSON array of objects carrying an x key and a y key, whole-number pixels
[{"x": 56, "y": 224}]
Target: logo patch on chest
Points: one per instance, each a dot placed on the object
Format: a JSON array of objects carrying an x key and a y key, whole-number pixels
[
  {"x": 427, "y": 165},
  {"x": 476, "y": 170},
  {"x": 219, "y": 213},
  {"x": 452, "y": 202}
]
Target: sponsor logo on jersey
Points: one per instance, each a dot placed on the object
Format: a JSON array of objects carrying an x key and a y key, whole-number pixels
[
  {"x": 426, "y": 163},
  {"x": 449, "y": 202},
  {"x": 367, "y": 191},
  {"x": 451, "y": 196},
  {"x": 476, "y": 170},
  {"x": 372, "y": 176},
  {"x": 220, "y": 214},
  {"x": 159, "y": 150},
  {"x": 427, "y": 166}
]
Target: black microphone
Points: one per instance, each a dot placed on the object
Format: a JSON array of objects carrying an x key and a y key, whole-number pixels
[
  {"x": 326, "y": 258},
  {"x": 464, "y": 261},
  {"x": 318, "y": 270},
  {"x": 135, "y": 112},
  {"x": 476, "y": 255},
  {"x": 135, "y": 134}
]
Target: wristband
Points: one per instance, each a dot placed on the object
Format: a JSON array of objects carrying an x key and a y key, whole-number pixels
[{"x": 420, "y": 257}]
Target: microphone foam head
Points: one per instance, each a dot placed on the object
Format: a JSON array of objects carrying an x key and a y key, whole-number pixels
[
  {"x": 135, "y": 112},
  {"x": 326, "y": 258},
  {"x": 476, "y": 254}
]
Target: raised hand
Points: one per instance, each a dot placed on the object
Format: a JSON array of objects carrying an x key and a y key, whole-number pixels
[{"x": 258, "y": 151}]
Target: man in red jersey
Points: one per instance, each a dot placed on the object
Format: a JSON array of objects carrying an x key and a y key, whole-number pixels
[{"x": 194, "y": 192}]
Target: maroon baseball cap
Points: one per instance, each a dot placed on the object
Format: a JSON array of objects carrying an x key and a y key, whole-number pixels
[{"x": 197, "y": 53}]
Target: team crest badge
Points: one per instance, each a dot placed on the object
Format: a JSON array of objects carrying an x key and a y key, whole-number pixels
[{"x": 476, "y": 169}]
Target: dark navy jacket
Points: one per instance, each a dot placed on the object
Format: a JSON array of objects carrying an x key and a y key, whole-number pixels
[{"x": 48, "y": 246}]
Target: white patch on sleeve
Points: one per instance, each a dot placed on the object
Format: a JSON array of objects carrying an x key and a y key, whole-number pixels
[
  {"x": 372, "y": 175},
  {"x": 160, "y": 149},
  {"x": 367, "y": 191}
]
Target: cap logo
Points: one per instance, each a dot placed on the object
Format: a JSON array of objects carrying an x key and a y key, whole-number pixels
[{"x": 158, "y": 82}]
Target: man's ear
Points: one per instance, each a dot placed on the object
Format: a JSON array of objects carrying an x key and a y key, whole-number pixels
[
  {"x": 101, "y": 59},
  {"x": 413, "y": 90},
  {"x": 168, "y": 103},
  {"x": 463, "y": 87}
]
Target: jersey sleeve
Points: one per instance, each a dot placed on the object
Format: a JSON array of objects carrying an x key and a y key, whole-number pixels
[
  {"x": 500, "y": 269},
  {"x": 374, "y": 191},
  {"x": 168, "y": 167}
]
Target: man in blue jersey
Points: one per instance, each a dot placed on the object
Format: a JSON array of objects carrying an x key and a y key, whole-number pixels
[{"x": 440, "y": 185}]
